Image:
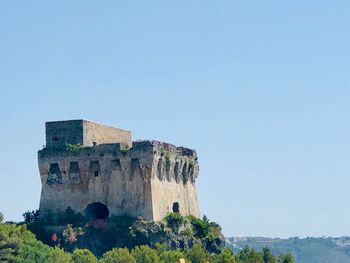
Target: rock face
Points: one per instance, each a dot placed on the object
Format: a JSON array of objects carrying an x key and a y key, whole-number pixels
[{"x": 103, "y": 168}]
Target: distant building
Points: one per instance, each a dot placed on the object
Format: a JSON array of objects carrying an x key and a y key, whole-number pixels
[{"x": 97, "y": 169}]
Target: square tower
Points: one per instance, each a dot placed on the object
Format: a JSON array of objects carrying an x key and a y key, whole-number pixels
[
  {"x": 83, "y": 132},
  {"x": 148, "y": 178}
]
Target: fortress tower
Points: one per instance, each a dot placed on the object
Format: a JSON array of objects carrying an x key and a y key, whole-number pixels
[{"x": 91, "y": 166}]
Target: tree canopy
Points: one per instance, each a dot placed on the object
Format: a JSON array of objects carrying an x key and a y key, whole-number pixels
[{"x": 18, "y": 244}]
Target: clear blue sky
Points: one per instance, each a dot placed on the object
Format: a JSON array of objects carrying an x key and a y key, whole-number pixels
[{"x": 259, "y": 88}]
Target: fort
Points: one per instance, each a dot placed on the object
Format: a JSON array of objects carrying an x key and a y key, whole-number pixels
[{"x": 98, "y": 170}]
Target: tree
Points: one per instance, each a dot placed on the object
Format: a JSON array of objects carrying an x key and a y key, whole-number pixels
[
  {"x": 1, "y": 218},
  {"x": 286, "y": 258},
  {"x": 34, "y": 251},
  {"x": 145, "y": 254},
  {"x": 58, "y": 255},
  {"x": 83, "y": 256},
  {"x": 226, "y": 256},
  {"x": 197, "y": 254},
  {"x": 201, "y": 227},
  {"x": 11, "y": 239},
  {"x": 31, "y": 216},
  {"x": 170, "y": 256},
  {"x": 248, "y": 255},
  {"x": 17, "y": 244},
  {"x": 69, "y": 216},
  {"x": 267, "y": 256},
  {"x": 118, "y": 255}
]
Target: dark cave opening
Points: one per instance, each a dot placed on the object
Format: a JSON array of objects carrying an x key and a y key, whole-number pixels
[{"x": 96, "y": 211}]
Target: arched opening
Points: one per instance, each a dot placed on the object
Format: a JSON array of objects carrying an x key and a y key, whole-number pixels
[
  {"x": 96, "y": 211},
  {"x": 176, "y": 207}
]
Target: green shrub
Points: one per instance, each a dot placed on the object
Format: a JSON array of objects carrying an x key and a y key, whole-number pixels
[
  {"x": 34, "y": 251},
  {"x": 124, "y": 150},
  {"x": 286, "y": 258},
  {"x": 73, "y": 147},
  {"x": 58, "y": 255},
  {"x": 174, "y": 220},
  {"x": 226, "y": 256},
  {"x": 31, "y": 216},
  {"x": 187, "y": 232},
  {"x": 83, "y": 256},
  {"x": 120, "y": 225},
  {"x": 145, "y": 254},
  {"x": 171, "y": 256},
  {"x": 197, "y": 254},
  {"x": 69, "y": 216},
  {"x": 267, "y": 256},
  {"x": 167, "y": 157},
  {"x": 248, "y": 255},
  {"x": 118, "y": 255},
  {"x": 200, "y": 227},
  {"x": 11, "y": 239}
]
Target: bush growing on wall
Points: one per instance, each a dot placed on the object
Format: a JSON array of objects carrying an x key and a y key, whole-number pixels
[
  {"x": 174, "y": 221},
  {"x": 73, "y": 147}
]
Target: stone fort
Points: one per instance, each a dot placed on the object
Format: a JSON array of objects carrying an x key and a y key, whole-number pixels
[{"x": 85, "y": 165}]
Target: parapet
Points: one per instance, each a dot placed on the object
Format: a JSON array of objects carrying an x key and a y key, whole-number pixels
[
  {"x": 138, "y": 148},
  {"x": 165, "y": 147},
  {"x": 83, "y": 132}
]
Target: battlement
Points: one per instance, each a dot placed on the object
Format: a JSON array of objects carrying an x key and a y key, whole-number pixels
[
  {"x": 118, "y": 149},
  {"x": 83, "y": 132}
]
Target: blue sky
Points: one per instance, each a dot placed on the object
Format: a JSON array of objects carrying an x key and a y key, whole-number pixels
[{"x": 259, "y": 88}]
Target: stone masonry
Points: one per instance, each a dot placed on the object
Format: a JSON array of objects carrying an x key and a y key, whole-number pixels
[{"x": 86, "y": 163}]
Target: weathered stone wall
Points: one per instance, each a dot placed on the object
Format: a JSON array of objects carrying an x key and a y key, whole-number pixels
[
  {"x": 99, "y": 134},
  {"x": 173, "y": 181},
  {"x": 104, "y": 173},
  {"x": 149, "y": 179},
  {"x": 61, "y": 133}
]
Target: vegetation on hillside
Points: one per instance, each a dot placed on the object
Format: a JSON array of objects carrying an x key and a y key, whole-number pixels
[
  {"x": 18, "y": 244},
  {"x": 71, "y": 230},
  {"x": 305, "y": 250}
]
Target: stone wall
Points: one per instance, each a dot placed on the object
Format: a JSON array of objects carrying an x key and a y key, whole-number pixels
[
  {"x": 104, "y": 173},
  {"x": 61, "y": 133},
  {"x": 174, "y": 172},
  {"x": 98, "y": 134},
  {"x": 149, "y": 179}
]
